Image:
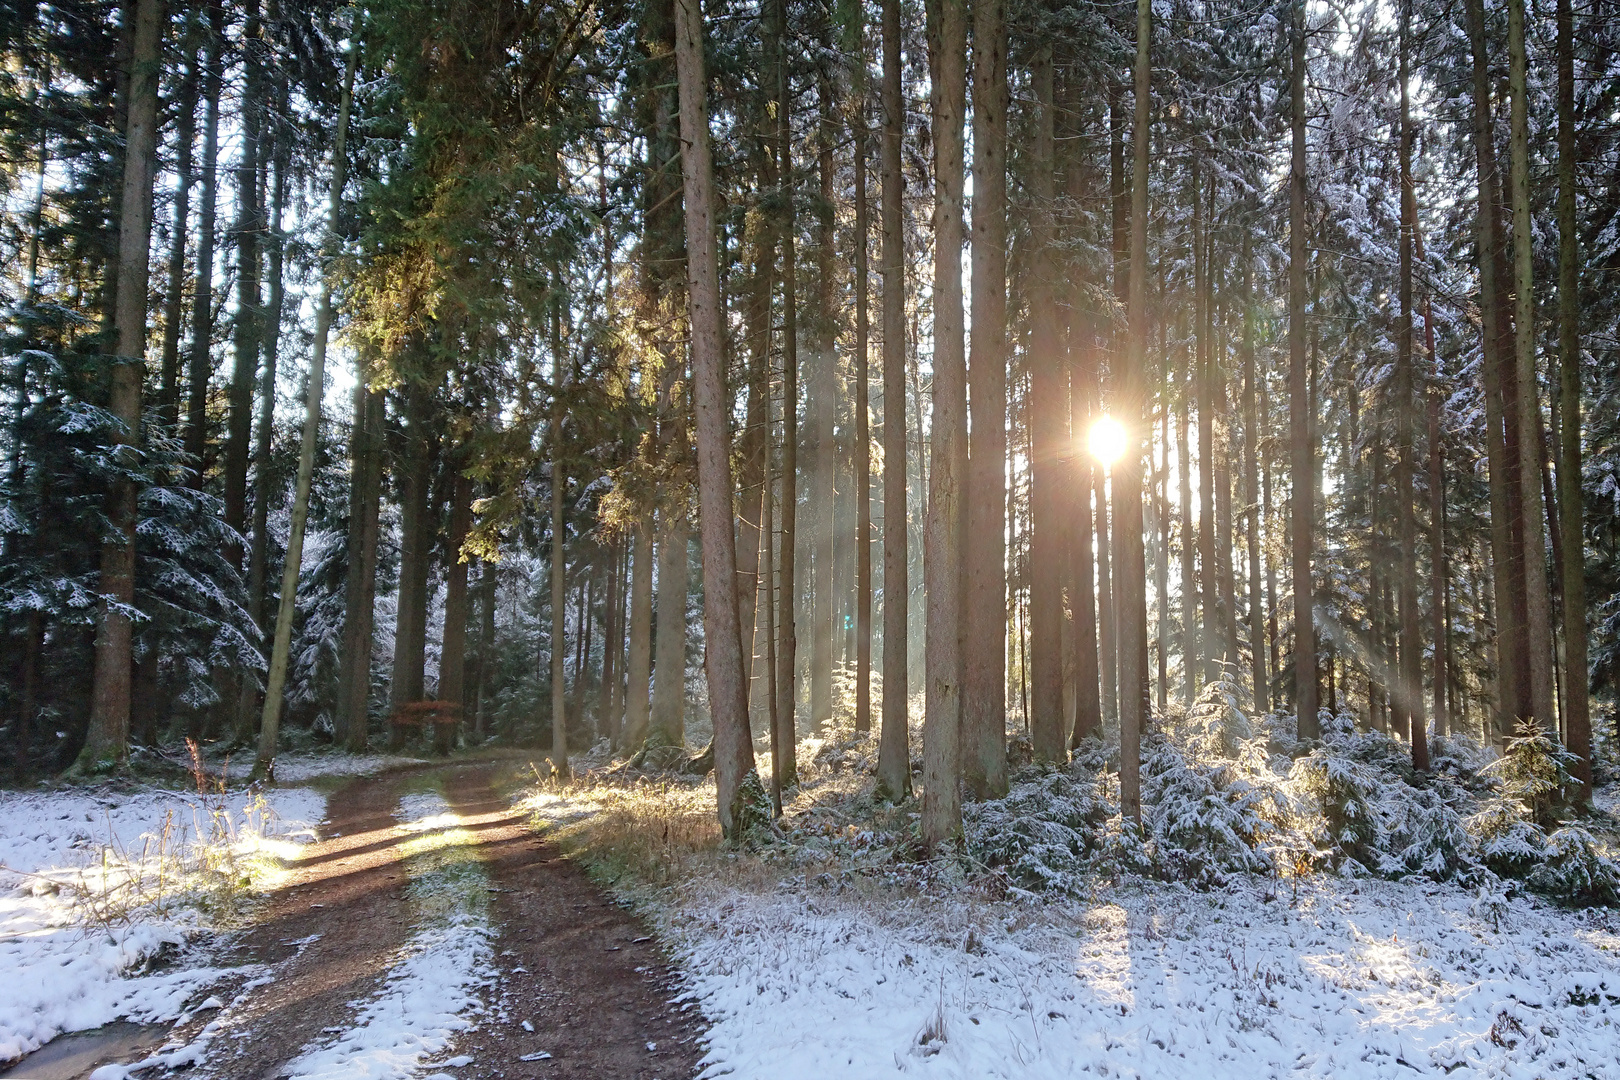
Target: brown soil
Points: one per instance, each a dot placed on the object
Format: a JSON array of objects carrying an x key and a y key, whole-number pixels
[{"x": 586, "y": 974}]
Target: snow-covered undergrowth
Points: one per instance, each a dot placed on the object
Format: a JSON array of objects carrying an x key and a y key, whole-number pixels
[
  {"x": 99, "y": 889},
  {"x": 437, "y": 982},
  {"x": 1285, "y": 909},
  {"x": 302, "y": 766}
]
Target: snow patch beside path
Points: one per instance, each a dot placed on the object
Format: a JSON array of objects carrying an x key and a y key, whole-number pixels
[
  {"x": 59, "y": 974},
  {"x": 1354, "y": 980},
  {"x": 437, "y": 980}
]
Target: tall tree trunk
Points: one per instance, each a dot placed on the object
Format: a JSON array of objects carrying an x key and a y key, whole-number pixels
[
  {"x": 1049, "y": 444},
  {"x": 638, "y": 660},
  {"x": 487, "y": 579},
  {"x": 185, "y": 137},
  {"x": 1410, "y": 682},
  {"x": 863, "y": 411},
  {"x": 723, "y": 659},
  {"x": 365, "y": 491},
  {"x": 668, "y": 719},
  {"x": 1438, "y": 569},
  {"x": 107, "y": 739},
  {"x": 259, "y": 539},
  {"x": 820, "y": 412},
  {"x": 1302, "y": 454},
  {"x": 1208, "y": 638},
  {"x": 1506, "y": 554},
  {"x": 199, "y": 360},
  {"x": 942, "y": 798},
  {"x": 894, "y": 757},
  {"x": 753, "y": 444},
  {"x": 1577, "y": 706},
  {"x": 558, "y": 645},
  {"x": 249, "y": 317},
  {"x": 785, "y": 773},
  {"x": 1251, "y": 494},
  {"x": 611, "y": 715},
  {"x": 453, "y": 648},
  {"x": 1191, "y": 658},
  {"x": 1538, "y": 596},
  {"x": 415, "y": 554},
  {"x": 1082, "y": 386},
  {"x": 1131, "y": 606},
  {"x": 984, "y": 599},
  {"x": 270, "y": 721}
]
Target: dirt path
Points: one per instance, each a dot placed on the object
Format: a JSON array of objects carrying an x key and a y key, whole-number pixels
[{"x": 584, "y": 973}]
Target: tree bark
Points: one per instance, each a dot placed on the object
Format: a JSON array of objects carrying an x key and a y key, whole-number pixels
[
  {"x": 185, "y": 137},
  {"x": 1507, "y": 561},
  {"x": 1571, "y": 511},
  {"x": 863, "y": 411},
  {"x": 1302, "y": 454},
  {"x": 613, "y": 645},
  {"x": 984, "y": 610},
  {"x": 638, "y": 660},
  {"x": 453, "y": 650},
  {"x": 820, "y": 413},
  {"x": 1049, "y": 442},
  {"x": 1410, "y": 683},
  {"x": 249, "y": 224},
  {"x": 668, "y": 719},
  {"x": 1131, "y": 607},
  {"x": 365, "y": 491},
  {"x": 405, "y": 686},
  {"x": 785, "y": 774},
  {"x": 1538, "y": 595},
  {"x": 107, "y": 739},
  {"x": 199, "y": 360},
  {"x": 723, "y": 659},
  {"x": 894, "y": 756},
  {"x": 270, "y": 721},
  {"x": 1251, "y": 494},
  {"x": 941, "y": 798}
]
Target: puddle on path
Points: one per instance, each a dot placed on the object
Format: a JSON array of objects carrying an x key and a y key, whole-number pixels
[{"x": 77, "y": 1054}]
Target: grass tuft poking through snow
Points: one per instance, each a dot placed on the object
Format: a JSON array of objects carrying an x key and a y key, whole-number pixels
[
  {"x": 436, "y": 982},
  {"x": 101, "y": 887}
]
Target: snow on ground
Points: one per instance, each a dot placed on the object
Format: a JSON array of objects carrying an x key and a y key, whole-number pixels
[
  {"x": 71, "y": 951},
  {"x": 438, "y": 979},
  {"x": 302, "y": 766},
  {"x": 1351, "y": 980}
]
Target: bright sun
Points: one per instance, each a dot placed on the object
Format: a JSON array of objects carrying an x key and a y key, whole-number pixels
[{"x": 1106, "y": 440}]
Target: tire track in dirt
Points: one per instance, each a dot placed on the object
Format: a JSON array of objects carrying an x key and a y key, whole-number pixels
[{"x": 586, "y": 974}]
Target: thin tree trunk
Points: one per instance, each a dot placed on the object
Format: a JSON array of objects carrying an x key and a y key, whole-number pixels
[
  {"x": 984, "y": 599},
  {"x": 820, "y": 412},
  {"x": 1577, "y": 706},
  {"x": 863, "y": 413},
  {"x": 723, "y": 660},
  {"x": 613, "y": 644},
  {"x": 1410, "y": 682},
  {"x": 202, "y": 308},
  {"x": 638, "y": 662},
  {"x": 453, "y": 648},
  {"x": 1191, "y": 660},
  {"x": 785, "y": 765},
  {"x": 247, "y": 330},
  {"x": 1251, "y": 494},
  {"x": 1439, "y": 571},
  {"x": 1208, "y": 638},
  {"x": 107, "y": 739},
  {"x": 185, "y": 137},
  {"x": 558, "y": 645},
  {"x": 1082, "y": 384},
  {"x": 1538, "y": 596},
  {"x": 1303, "y": 465},
  {"x": 668, "y": 719},
  {"x": 365, "y": 490},
  {"x": 1049, "y": 442},
  {"x": 942, "y": 767},
  {"x": 894, "y": 756},
  {"x": 754, "y": 441},
  {"x": 1131, "y": 607},
  {"x": 270, "y": 721}
]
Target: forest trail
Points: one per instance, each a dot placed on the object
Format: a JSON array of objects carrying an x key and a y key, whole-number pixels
[{"x": 575, "y": 987}]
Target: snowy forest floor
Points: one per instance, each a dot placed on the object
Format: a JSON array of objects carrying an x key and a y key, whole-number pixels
[
  {"x": 441, "y": 920},
  {"x": 821, "y": 953},
  {"x": 422, "y": 926}
]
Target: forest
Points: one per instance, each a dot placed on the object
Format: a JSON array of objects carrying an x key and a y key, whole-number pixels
[
  {"x": 1017, "y": 371},
  {"x": 977, "y": 459}
]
